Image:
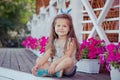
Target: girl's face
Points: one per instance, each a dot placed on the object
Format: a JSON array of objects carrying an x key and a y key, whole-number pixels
[{"x": 62, "y": 27}]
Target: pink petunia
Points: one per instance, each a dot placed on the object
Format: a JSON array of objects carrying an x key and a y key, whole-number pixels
[
  {"x": 111, "y": 57},
  {"x": 111, "y": 47},
  {"x": 42, "y": 49},
  {"x": 118, "y": 56}
]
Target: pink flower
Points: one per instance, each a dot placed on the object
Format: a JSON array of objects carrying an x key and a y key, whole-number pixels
[
  {"x": 111, "y": 47},
  {"x": 92, "y": 48},
  {"x": 24, "y": 43},
  {"x": 112, "y": 56},
  {"x": 42, "y": 49},
  {"x": 92, "y": 55},
  {"x": 118, "y": 56},
  {"x": 35, "y": 43}
]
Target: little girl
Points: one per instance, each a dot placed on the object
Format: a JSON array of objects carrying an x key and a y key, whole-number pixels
[{"x": 60, "y": 56}]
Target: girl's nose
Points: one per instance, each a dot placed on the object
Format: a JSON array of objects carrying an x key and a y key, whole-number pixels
[{"x": 61, "y": 27}]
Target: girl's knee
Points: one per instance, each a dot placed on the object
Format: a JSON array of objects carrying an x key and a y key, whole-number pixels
[
  {"x": 45, "y": 65},
  {"x": 69, "y": 60}
]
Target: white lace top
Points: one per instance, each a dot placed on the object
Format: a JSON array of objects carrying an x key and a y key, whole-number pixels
[{"x": 60, "y": 52}]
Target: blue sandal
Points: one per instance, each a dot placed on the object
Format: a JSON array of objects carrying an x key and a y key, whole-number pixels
[
  {"x": 58, "y": 75},
  {"x": 42, "y": 73}
]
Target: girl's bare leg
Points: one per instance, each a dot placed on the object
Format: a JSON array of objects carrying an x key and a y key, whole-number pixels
[
  {"x": 44, "y": 67},
  {"x": 67, "y": 65}
]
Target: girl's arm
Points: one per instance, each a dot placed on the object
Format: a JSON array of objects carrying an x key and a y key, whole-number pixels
[
  {"x": 71, "y": 47},
  {"x": 41, "y": 61}
]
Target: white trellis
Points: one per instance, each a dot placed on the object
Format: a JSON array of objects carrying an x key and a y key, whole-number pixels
[{"x": 98, "y": 21}]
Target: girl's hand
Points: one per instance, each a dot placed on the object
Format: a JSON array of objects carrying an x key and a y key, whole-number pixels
[
  {"x": 51, "y": 69},
  {"x": 34, "y": 70}
]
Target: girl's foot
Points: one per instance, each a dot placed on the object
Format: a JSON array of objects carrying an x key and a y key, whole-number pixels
[{"x": 44, "y": 73}]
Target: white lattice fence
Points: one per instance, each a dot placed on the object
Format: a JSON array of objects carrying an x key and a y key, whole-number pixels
[{"x": 102, "y": 20}]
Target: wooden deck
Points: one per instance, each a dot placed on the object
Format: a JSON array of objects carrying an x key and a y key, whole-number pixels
[{"x": 23, "y": 60}]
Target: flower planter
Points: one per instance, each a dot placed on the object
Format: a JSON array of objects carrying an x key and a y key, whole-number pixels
[
  {"x": 114, "y": 74},
  {"x": 88, "y": 65}
]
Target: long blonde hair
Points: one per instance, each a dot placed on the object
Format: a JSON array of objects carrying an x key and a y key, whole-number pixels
[{"x": 53, "y": 35}]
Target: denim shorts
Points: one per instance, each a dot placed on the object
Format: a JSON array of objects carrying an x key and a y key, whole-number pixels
[{"x": 72, "y": 73}]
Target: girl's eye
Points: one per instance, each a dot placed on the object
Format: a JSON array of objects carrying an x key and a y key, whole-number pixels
[
  {"x": 64, "y": 26},
  {"x": 58, "y": 25}
]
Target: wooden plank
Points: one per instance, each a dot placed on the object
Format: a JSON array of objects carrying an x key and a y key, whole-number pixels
[
  {"x": 21, "y": 63},
  {"x": 6, "y": 60},
  {"x": 14, "y": 62},
  {"x": 27, "y": 62},
  {"x": 2, "y": 55},
  {"x": 30, "y": 53},
  {"x": 30, "y": 56}
]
